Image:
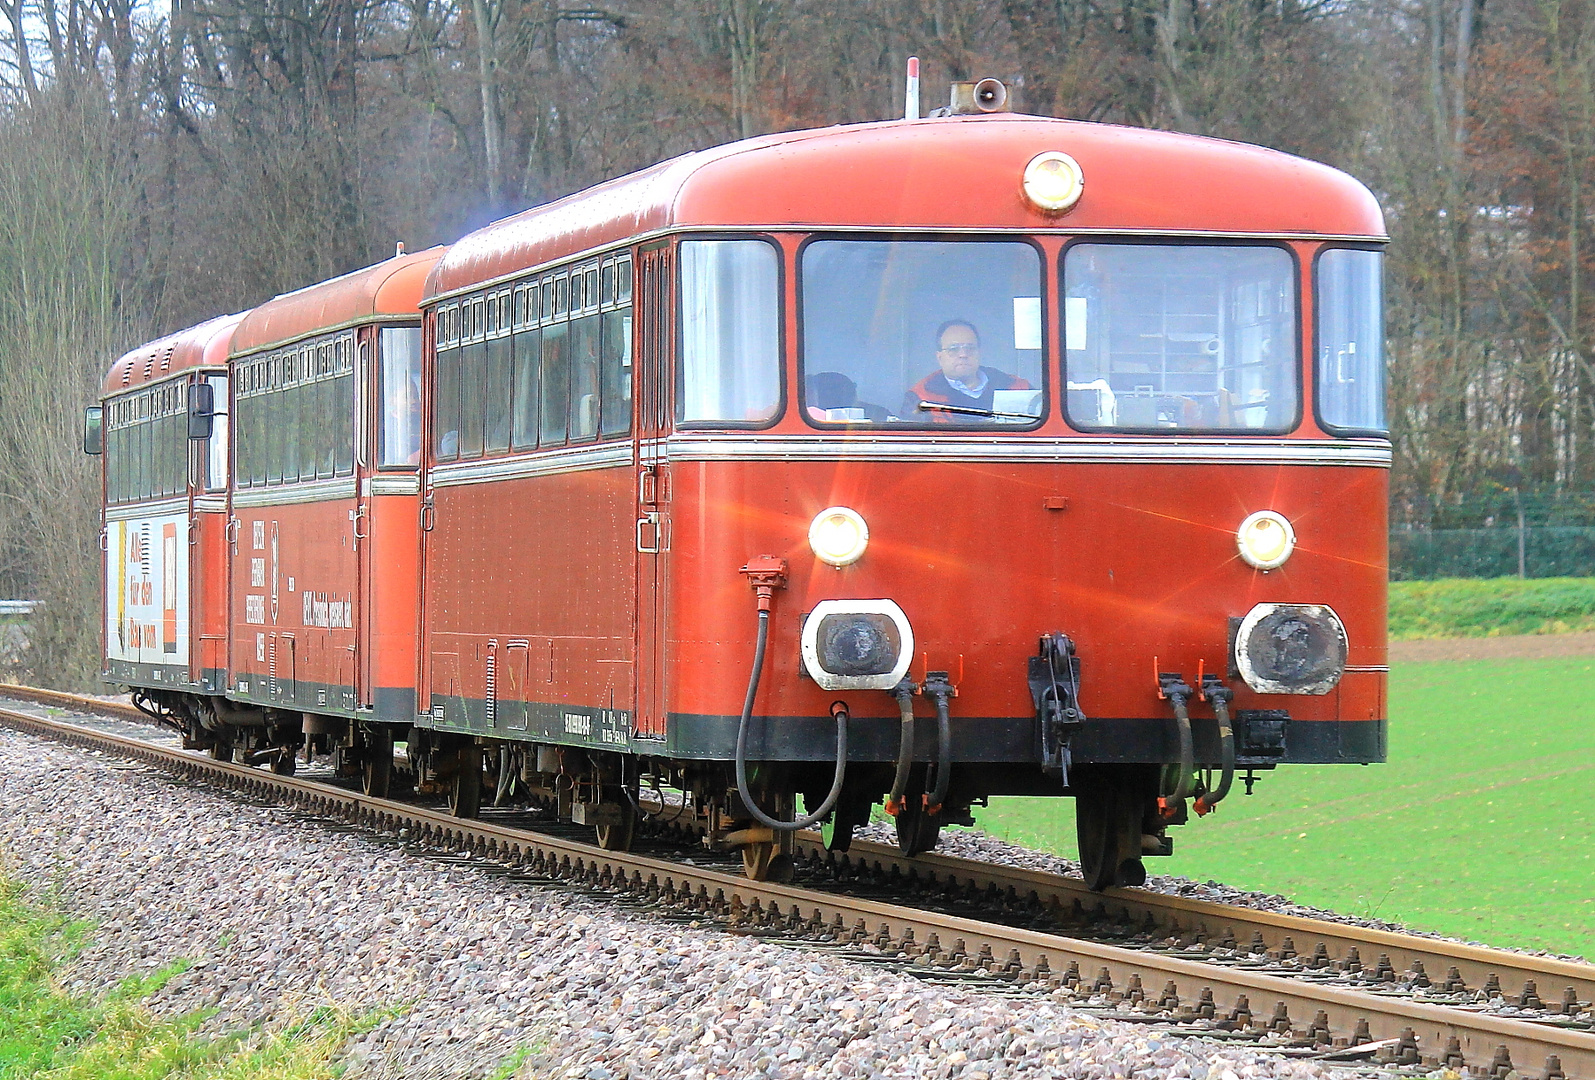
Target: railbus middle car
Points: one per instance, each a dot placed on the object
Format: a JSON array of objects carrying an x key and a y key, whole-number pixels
[{"x": 909, "y": 463}]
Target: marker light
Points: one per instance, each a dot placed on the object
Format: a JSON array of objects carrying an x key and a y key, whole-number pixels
[
  {"x": 1053, "y": 181},
  {"x": 838, "y": 535},
  {"x": 1266, "y": 539}
]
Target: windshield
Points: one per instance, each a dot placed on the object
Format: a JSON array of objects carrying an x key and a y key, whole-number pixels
[
  {"x": 1180, "y": 337},
  {"x": 921, "y": 332}
]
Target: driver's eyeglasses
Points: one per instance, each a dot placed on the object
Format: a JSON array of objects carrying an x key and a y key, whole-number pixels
[{"x": 969, "y": 348}]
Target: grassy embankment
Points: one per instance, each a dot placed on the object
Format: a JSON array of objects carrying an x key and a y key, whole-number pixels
[
  {"x": 1493, "y": 607},
  {"x": 45, "y": 1031},
  {"x": 1480, "y": 824}
]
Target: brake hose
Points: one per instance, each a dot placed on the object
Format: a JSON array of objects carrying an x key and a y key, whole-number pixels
[
  {"x": 1226, "y": 748},
  {"x": 1176, "y": 691},
  {"x": 839, "y": 711},
  {"x": 944, "y": 750},
  {"x": 905, "y": 746}
]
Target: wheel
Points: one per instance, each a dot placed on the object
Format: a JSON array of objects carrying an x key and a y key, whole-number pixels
[
  {"x": 767, "y": 862},
  {"x": 617, "y": 837},
  {"x": 376, "y": 764},
  {"x": 465, "y": 793},
  {"x": 1109, "y": 805},
  {"x": 917, "y": 831},
  {"x": 851, "y": 811},
  {"x": 283, "y": 764}
]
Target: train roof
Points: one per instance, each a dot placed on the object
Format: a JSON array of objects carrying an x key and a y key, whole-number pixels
[
  {"x": 389, "y": 288},
  {"x": 204, "y": 345},
  {"x": 947, "y": 173}
]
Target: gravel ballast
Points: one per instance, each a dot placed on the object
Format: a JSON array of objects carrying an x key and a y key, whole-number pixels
[{"x": 278, "y": 913}]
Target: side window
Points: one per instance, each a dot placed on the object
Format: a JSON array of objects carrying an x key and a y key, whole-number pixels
[
  {"x": 297, "y": 426},
  {"x": 400, "y": 437},
  {"x": 528, "y": 354},
  {"x": 615, "y": 348},
  {"x": 730, "y": 369},
  {"x": 499, "y": 377},
  {"x": 276, "y": 429},
  {"x": 555, "y": 383},
  {"x": 217, "y": 447},
  {"x": 446, "y": 400},
  {"x": 473, "y": 379},
  {"x": 1350, "y": 339},
  {"x": 584, "y": 378}
]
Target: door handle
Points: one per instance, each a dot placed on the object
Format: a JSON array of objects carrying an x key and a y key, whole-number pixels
[
  {"x": 357, "y": 517},
  {"x": 647, "y": 522}
]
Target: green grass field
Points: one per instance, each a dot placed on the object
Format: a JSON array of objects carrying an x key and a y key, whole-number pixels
[{"x": 1482, "y": 824}]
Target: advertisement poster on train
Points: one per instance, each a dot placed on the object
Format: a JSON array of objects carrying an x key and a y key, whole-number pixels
[{"x": 147, "y": 620}]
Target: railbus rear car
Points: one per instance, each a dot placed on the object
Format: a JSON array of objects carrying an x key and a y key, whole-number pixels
[{"x": 165, "y": 474}]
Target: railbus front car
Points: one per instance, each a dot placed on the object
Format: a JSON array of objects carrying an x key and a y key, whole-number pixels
[{"x": 910, "y": 463}]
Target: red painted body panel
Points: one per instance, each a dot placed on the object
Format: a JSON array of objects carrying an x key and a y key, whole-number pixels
[
  {"x": 547, "y": 561},
  {"x": 301, "y": 548},
  {"x": 1141, "y": 570}
]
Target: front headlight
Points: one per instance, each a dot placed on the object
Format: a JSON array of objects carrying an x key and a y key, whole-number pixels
[
  {"x": 838, "y": 535},
  {"x": 1266, "y": 539}
]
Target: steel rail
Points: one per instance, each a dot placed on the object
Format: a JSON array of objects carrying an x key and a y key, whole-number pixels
[
  {"x": 1190, "y": 989},
  {"x": 1253, "y": 931}
]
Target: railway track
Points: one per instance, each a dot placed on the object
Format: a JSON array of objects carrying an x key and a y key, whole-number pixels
[{"x": 1298, "y": 986}]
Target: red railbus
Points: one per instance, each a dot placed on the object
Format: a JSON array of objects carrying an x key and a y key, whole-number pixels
[
  {"x": 1012, "y": 455},
  {"x": 900, "y": 464}
]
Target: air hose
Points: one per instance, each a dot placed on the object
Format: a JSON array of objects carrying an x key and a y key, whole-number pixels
[
  {"x": 1176, "y": 691},
  {"x": 839, "y": 711},
  {"x": 944, "y": 750},
  {"x": 1226, "y": 749},
  {"x": 904, "y": 693}
]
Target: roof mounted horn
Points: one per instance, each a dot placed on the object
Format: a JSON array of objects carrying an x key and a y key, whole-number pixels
[{"x": 973, "y": 98}]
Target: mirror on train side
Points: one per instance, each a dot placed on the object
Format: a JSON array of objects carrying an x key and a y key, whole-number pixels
[
  {"x": 94, "y": 430},
  {"x": 201, "y": 410}
]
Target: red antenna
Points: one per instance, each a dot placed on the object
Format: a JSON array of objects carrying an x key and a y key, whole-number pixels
[{"x": 911, "y": 94}]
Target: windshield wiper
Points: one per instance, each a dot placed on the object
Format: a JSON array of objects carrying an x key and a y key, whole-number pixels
[{"x": 970, "y": 410}]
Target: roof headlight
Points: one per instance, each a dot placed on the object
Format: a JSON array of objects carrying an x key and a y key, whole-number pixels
[
  {"x": 838, "y": 535},
  {"x": 1053, "y": 181},
  {"x": 1266, "y": 539}
]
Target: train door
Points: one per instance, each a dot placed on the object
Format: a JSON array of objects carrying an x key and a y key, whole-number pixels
[{"x": 655, "y": 344}]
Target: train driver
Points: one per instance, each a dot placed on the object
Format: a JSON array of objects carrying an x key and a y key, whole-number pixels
[{"x": 960, "y": 381}]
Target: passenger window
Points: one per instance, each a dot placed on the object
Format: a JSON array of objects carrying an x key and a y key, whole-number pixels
[
  {"x": 555, "y": 384},
  {"x": 500, "y": 376},
  {"x": 919, "y": 332},
  {"x": 528, "y": 353},
  {"x": 446, "y": 407},
  {"x": 584, "y": 378},
  {"x": 296, "y": 430},
  {"x": 217, "y": 447},
  {"x": 730, "y": 369},
  {"x": 275, "y": 411},
  {"x": 343, "y": 409},
  {"x": 617, "y": 372},
  {"x": 401, "y": 396},
  {"x": 473, "y": 387}
]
